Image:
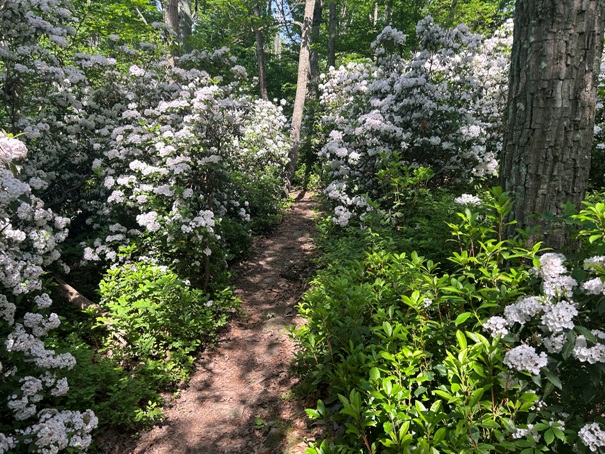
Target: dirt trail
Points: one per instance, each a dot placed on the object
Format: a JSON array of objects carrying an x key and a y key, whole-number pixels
[{"x": 246, "y": 379}]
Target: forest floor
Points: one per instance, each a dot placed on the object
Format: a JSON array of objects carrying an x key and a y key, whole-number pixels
[{"x": 241, "y": 398}]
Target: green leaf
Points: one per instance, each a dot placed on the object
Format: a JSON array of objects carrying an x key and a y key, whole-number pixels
[
  {"x": 321, "y": 407},
  {"x": 374, "y": 373},
  {"x": 549, "y": 436},
  {"x": 552, "y": 378},
  {"x": 313, "y": 414},
  {"x": 587, "y": 334},
  {"x": 439, "y": 436},
  {"x": 443, "y": 394},
  {"x": 462, "y": 318},
  {"x": 559, "y": 434},
  {"x": 387, "y": 427},
  {"x": 569, "y": 345},
  {"x": 475, "y": 396},
  {"x": 461, "y": 339}
]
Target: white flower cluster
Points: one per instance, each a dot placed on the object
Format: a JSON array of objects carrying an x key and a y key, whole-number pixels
[
  {"x": 592, "y": 436},
  {"x": 468, "y": 199},
  {"x": 595, "y": 354},
  {"x": 595, "y": 285},
  {"x": 555, "y": 280},
  {"x": 524, "y": 358},
  {"x": 11, "y": 149}
]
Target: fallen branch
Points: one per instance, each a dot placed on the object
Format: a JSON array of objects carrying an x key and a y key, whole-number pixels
[{"x": 83, "y": 303}]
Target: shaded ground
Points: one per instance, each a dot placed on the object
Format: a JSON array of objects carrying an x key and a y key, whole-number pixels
[{"x": 240, "y": 399}]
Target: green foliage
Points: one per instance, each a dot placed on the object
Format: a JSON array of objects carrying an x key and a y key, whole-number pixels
[
  {"x": 479, "y": 15},
  {"x": 396, "y": 343},
  {"x": 129, "y": 19},
  {"x": 118, "y": 398},
  {"x": 592, "y": 226},
  {"x": 156, "y": 321}
]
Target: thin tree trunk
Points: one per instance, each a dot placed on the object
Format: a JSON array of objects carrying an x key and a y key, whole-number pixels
[
  {"x": 277, "y": 46},
  {"x": 314, "y": 62},
  {"x": 375, "y": 18},
  {"x": 301, "y": 90},
  {"x": 388, "y": 13},
  {"x": 332, "y": 36},
  {"x": 556, "y": 54},
  {"x": 260, "y": 52}
]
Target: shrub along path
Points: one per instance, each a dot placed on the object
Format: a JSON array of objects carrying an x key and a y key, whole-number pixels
[{"x": 240, "y": 399}]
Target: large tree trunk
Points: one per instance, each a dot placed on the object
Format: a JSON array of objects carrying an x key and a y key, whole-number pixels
[
  {"x": 332, "y": 35},
  {"x": 556, "y": 54},
  {"x": 301, "y": 90}
]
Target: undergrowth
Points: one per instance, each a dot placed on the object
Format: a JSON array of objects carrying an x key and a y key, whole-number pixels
[{"x": 399, "y": 348}]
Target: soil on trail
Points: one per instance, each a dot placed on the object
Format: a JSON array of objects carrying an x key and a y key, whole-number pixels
[{"x": 240, "y": 399}]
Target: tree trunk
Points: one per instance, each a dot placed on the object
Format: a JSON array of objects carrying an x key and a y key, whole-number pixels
[
  {"x": 186, "y": 18},
  {"x": 332, "y": 36},
  {"x": 375, "y": 17},
  {"x": 314, "y": 62},
  {"x": 301, "y": 90},
  {"x": 260, "y": 52},
  {"x": 556, "y": 55},
  {"x": 171, "y": 17}
]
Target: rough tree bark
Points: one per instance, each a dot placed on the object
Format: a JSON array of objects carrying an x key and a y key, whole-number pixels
[
  {"x": 301, "y": 90},
  {"x": 260, "y": 52},
  {"x": 556, "y": 54},
  {"x": 179, "y": 16}
]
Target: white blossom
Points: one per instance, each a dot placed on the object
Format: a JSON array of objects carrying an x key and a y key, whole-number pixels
[{"x": 524, "y": 358}]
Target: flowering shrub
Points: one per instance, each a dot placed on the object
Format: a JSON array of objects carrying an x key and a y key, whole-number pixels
[
  {"x": 176, "y": 170},
  {"x": 440, "y": 108},
  {"x": 555, "y": 340},
  {"x": 32, "y": 381},
  {"x": 152, "y": 159},
  {"x": 401, "y": 348}
]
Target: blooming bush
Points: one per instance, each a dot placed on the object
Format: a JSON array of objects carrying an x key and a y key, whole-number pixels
[
  {"x": 401, "y": 346},
  {"x": 440, "y": 108},
  {"x": 555, "y": 339},
  {"x": 155, "y": 161},
  {"x": 32, "y": 383},
  {"x": 176, "y": 170}
]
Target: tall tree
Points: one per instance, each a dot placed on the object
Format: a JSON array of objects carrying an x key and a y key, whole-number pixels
[
  {"x": 171, "y": 16},
  {"x": 332, "y": 23},
  {"x": 301, "y": 89},
  {"x": 556, "y": 55},
  {"x": 179, "y": 17},
  {"x": 260, "y": 51},
  {"x": 315, "y": 26}
]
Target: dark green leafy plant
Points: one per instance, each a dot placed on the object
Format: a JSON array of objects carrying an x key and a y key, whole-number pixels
[
  {"x": 156, "y": 322},
  {"x": 397, "y": 346}
]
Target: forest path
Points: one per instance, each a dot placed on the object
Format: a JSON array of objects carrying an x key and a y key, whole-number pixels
[{"x": 247, "y": 375}]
